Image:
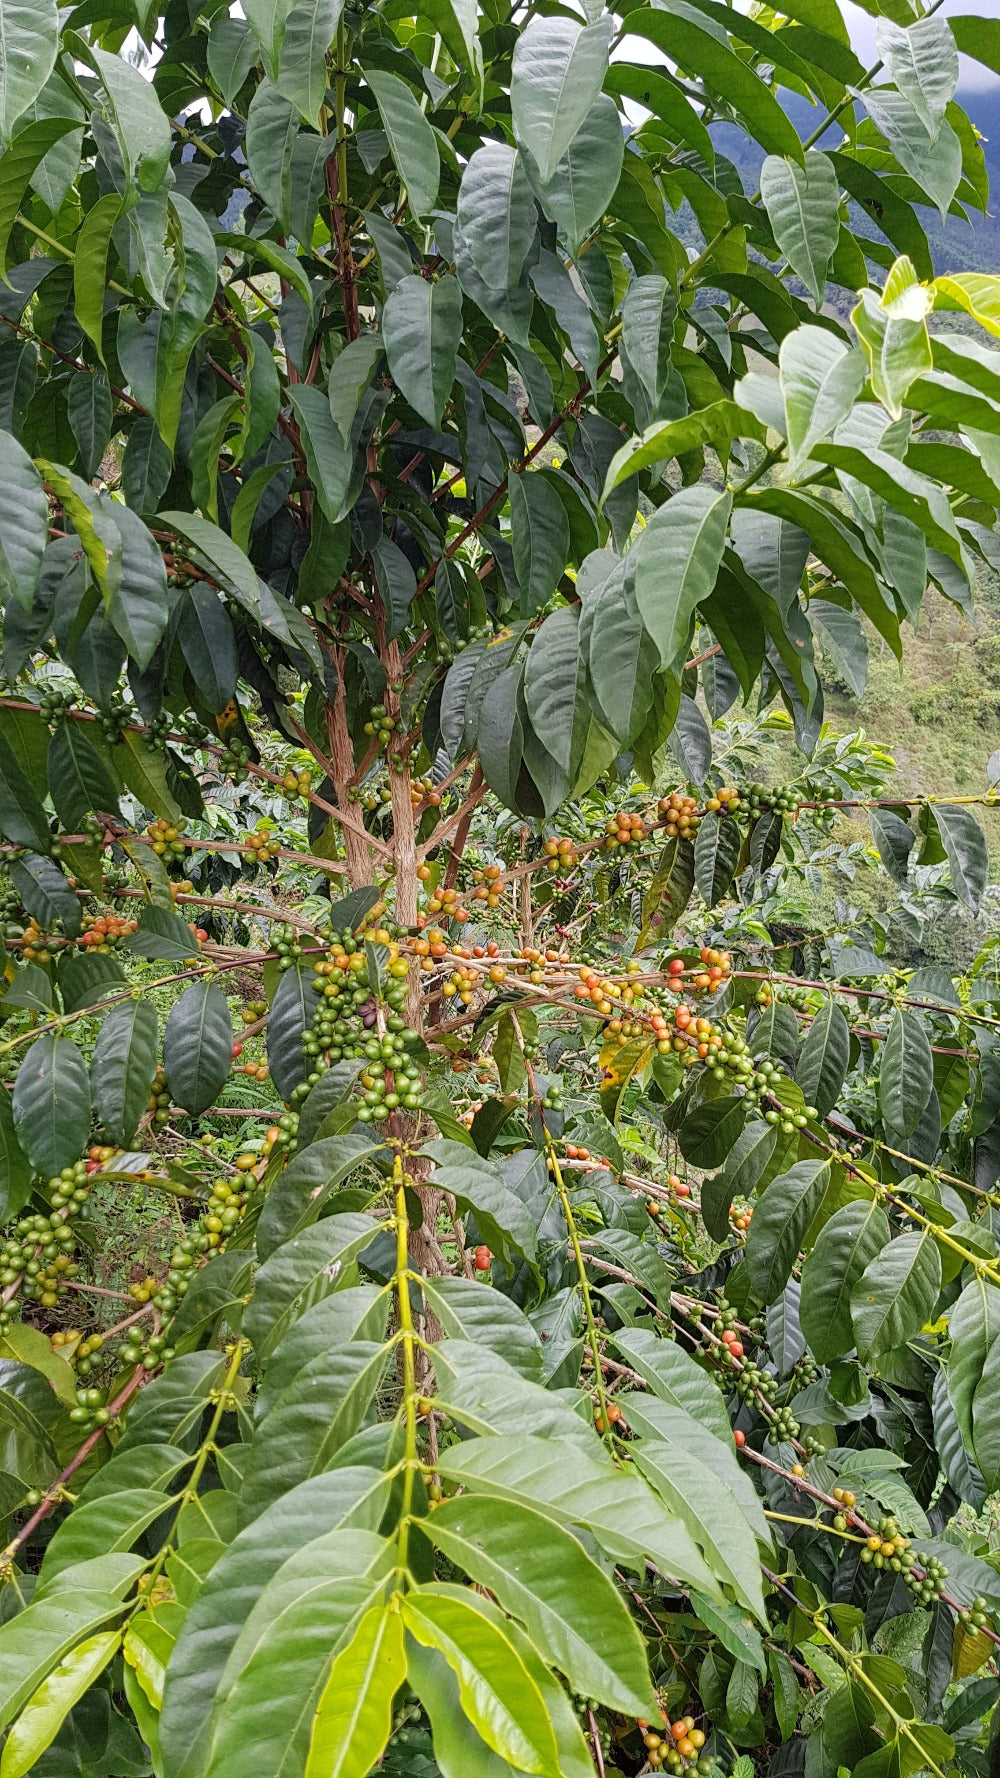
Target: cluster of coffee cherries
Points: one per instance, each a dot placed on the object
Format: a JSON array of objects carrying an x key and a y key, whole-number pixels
[
  {"x": 105, "y": 932},
  {"x": 159, "y": 1100},
  {"x": 487, "y": 885},
  {"x": 165, "y": 838},
  {"x": 799, "y": 999},
  {"x": 37, "y": 945},
  {"x": 594, "y": 1724},
  {"x": 560, "y": 854},
  {"x": 296, "y": 783},
  {"x": 624, "y": 829},
  {"x": 54, "y": 706},
  {"x": 38, "y": 1252},
  {"x": 383, "y": 726},
  {"x": 282, "y": 1134},
  {"x": 263, "y": 843},
  {"x": 392, "y": 1080},
  {"x": 223, "y": 1212},
  {"x": 11, "y": 909},
  {"x": 740, "y": 1217},
  {"x": 677, "y": 1746},
  {"x": 345, "y": 1024},
  {"x": 234, "y": 759},
  {"x": 977, "y": 1615},
  {"x": 255, "y": 1070},
  {"x": 424, "y": 790},
  {"x": 159, "y": 730},
  {"x": 113, "y": 720},
  {"x": 679, "y": 814},
  {"x": 372, "y": 795},
  {"x": 90, "y": 1410},
  {"x": 446, "y": 901}
]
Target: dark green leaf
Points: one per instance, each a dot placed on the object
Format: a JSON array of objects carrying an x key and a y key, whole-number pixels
[
  {"x": 780, "y": 1223},
  {"x": 51, "y": 1104},
  {"x": 198, "y": 1046}
]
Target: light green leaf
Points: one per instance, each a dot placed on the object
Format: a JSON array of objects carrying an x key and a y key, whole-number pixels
[
  {"x": 713, "y": 425},
  {"x": 558, "y": 71},
  {"x": 543, "y": 1576},
  {"x": 422, "y": 328},
  {"x": 922, "y": 60},
  {"x": 711, "y": 1512},
  {"x": 412, "y": 142},
  {"x": 354, "y": 1713},
  {"x": 675, "y": 1378},
  {"x": 892, "y": 329},
  {"x": 496, "y": 1690},
  {"x": 978, "y": 293},
  {"x": 90, "y": 267},
  {"x": 648, "y": 314},
  {"x": 132, "y": 109},
  {"x": 307, "y": 1268},
  {"x": 18, "y": 165},
  {"x": 932, "y": 158},
  {"x": 586, "y": 179},
  {"x": 676, "y": 561},
  {"x": 820, "y": 382},
  {"x": 24, "y": 519},
  {"x": 350, "y": 374},
  {"x": 803, "y": 207},
  {"x": 34, "y": 1641}
]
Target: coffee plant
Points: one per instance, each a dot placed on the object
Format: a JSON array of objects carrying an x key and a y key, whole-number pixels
[{"x": 564, "y": 1336}]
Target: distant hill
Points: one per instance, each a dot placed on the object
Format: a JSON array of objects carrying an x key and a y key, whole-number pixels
[{"x": 955, "y": 246}]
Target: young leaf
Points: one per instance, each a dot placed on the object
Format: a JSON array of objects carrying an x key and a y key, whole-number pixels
[
  {"x": 354, "y": 1713},
  {"x": 922, "y": 60}
]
